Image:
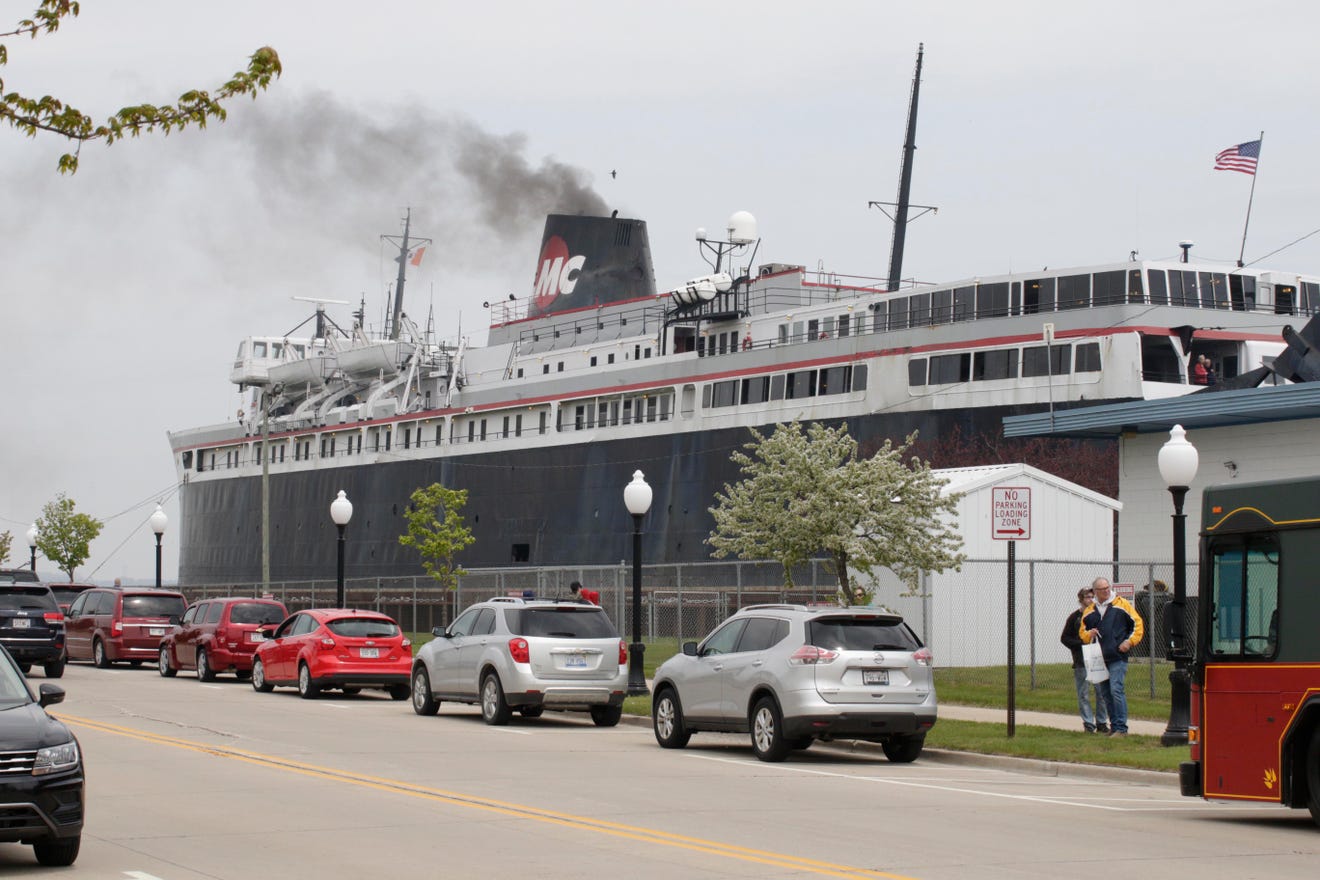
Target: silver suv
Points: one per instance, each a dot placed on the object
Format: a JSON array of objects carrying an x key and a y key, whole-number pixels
[
  {"x": 792, "y": 674},
  {"x": 525, "y": 654}
]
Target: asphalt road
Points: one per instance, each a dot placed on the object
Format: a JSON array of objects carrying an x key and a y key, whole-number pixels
[{"x": 190, "y": 780}]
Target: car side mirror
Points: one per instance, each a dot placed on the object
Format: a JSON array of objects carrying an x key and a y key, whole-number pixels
[
  {"x": 438, "y": 631},
  {"x": 50, "y": 695},
  {"x": 174, "y": 620},
  {"x": 690, "y": 649}
]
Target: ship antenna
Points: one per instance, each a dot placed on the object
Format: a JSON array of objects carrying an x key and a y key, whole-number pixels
[
  {"x": 405, "y": 245},
  {"x": 900, "y": 215}
]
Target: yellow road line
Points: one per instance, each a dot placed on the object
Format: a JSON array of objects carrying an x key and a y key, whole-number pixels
[{"x": 522, "y": 811}]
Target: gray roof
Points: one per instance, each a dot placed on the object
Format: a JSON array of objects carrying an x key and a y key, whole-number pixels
[{"x": 1246, "y": 406}]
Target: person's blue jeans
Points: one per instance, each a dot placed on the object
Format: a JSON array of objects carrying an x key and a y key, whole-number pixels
[
  {"x": 1115, "y": 695},
  {"x": 1090, "y": 720}
]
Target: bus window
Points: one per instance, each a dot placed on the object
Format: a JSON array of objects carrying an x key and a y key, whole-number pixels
[{"x": 1244, "y": 598}]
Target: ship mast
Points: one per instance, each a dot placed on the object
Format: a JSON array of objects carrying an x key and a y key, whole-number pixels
[
  {"x": 905, "y": 181},
  {"x": 398, "y": 284}
]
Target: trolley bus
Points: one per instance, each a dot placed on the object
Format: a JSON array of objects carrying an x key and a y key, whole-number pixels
[{"x": 1255, "y": 714}]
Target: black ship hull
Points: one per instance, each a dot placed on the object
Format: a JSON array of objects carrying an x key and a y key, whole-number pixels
[{"x": 552, "y": 506}]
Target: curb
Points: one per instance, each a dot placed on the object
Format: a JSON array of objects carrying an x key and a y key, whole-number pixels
[{"x": 1033, "y": 766}]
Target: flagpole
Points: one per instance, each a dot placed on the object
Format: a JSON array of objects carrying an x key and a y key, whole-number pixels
[{"x": 1250, "y": 198}]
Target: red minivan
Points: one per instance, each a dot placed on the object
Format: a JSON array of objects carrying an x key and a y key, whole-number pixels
[
  {"x": 217, "y": 635},
  {"x": 107, "y": 626}
]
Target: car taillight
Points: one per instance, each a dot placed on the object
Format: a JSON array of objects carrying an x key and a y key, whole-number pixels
[
  {"x": 810, "y": 655},
  {"x": 327, "y": 643},
  {"x": 518, "y": 650},
  {"x": 53, "y": 617},
  {"x": 117, "y": 627},
  {"x": 406, "y": 643},
  {"x": 623, "y": 653},
  {"x": 922, "y": 656}
]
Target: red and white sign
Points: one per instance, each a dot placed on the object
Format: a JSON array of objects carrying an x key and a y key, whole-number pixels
[{"x": 1010, "y": 513}]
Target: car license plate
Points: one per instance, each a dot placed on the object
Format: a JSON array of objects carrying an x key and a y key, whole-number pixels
[
  {"x": 875, "y": 676},
  {"x": 256, "y": 637},
  {"x": 22, "y": 623},
  {"x": 156, "y": 631},
  {"x": 369, "y": 653},
  {"x": 575, "y": 661}
]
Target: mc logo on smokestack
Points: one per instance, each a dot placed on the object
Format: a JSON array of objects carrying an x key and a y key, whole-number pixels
[{"x": 556, "y": 274}]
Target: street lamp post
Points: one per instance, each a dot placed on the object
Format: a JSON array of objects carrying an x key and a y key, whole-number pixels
[
  {"x": 1177, "y": 462},
  {"x": 158, "y": 523},
  {"x": 637, "y": 498},
  {"x": 341, "y": 511},
  {"x": 32, "y": 536}
]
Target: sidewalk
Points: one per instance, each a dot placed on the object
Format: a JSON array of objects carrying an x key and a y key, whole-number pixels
[{"x": 1038, "y": 719}]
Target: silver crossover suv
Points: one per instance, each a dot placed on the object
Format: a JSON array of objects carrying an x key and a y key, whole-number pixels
[
  {"x": 791, "y": 674},
  {"x": 525, "y": 654}
]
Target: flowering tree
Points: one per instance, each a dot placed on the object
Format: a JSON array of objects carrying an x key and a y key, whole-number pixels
[
  {"x": 49, "y": 114},
  {"x": 808, "y": 493}
]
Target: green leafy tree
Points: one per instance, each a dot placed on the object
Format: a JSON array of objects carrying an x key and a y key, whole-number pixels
[
  {"x": 64, "y": 536},
  {"x": 436, "y": 530},
  {"x": 6, "y": 541},
  {"x": 808, "y": 493},
  {"x": 49, "y": 114}
]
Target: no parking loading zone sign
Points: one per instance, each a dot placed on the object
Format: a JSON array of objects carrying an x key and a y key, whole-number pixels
[{"x": 1010, "y": 520}]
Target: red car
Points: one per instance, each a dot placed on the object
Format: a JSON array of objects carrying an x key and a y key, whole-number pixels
[
  {"x": 106, "y": 625},
  {"x": 334, "y": 648},
  {"x": 218, "y": 635}
]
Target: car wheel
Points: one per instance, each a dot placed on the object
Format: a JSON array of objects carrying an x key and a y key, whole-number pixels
[
  {"x": 768, "y": 740},
  {"x": 204, "y": 670},
  {"x": 259, "y": 682},
  {"x": 531, "y": 711},
  {"x": 163, "y": 664},
  {"x": 606, "y": 716},
  {"x": 54, "y": 669},
  {"x": 1313, "y": 777},
  {"x": 494, "y": 710},
  {"x": 903, "y": 749},
  {"x": 99, "y": 656},
  {"x": 802, "y": 743},
  {"x": 307, "y": 689},
  {"x": 398, "y": 691},
  {"x": 57, "y": 853},
  {"x": 423, "y": 702},
  {"x": 667, "y": 719}
]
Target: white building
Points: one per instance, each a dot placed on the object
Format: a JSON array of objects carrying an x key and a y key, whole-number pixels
[{"x": 1067, "y": 522}]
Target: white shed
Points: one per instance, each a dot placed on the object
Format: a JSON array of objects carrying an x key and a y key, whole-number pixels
[{"x": 1067, "y": 522}]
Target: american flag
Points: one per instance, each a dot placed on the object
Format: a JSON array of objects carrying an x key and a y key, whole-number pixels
[{"x": 1242, "y": 158}]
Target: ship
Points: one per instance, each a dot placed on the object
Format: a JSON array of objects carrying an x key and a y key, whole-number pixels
[{"x": 595, "y": 373}]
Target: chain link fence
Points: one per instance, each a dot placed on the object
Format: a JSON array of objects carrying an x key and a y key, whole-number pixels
[{"x": 962, "y": 616}]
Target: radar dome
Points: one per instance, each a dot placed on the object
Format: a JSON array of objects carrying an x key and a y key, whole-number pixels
[{"x": 742, "y": 228}]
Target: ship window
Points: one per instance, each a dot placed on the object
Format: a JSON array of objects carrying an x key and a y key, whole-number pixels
[
  {"x": 1135, "y": 293},
  {"x": 1034, "y": 362},
  {"x": 756, "y": 389},
  {"x": 1015, "y": 298},
  {"x": 1310, "y": 297},
  {"x": 843, "y": 324},
  {"x": 472, "y": 432},
  {"x": 1074, "y": 291},
  {"x": 407, "y": 438},
  {"x": 898, "y": 313},
  {"x": 520, "y": 553},
  {"x": 627, "y": 408},
  {"x": 777, "y": 387},
  {"x": 1249, "y": 292},
  {"x": 187, "y": 460},
  {"x": 1285, "y": 299},
  {"x": 798, "y": 330},
  {"x": 332, "y": 445},
  {"x": 941, "y": 306},
  {"x": 664, "y": 407},
  {"x": 1038, "y": 296},
  {"x": 1000, "y": 364},
  {"x": 1088, "y": 358},
  {"x": 1108, "y": 287},
  {"x": 1219, "y": 285},
  {"x": 259, "y": 349},
  {"x": 388, "y": 432},
  {"x": 964, "y": 303},
  {"x": 483, "y": 429},
  {"x": 520, "y": 372},
  {"x": 1191, "y": 295},
  {"x": 705, "y": 396},
  {"x": 946, "y": 369},
  {"x": 543, "y": 422},
  {"x": 834, "y": 380},
  {"x": 919, "y": 309},
  {"x": 1159, "y": 290},
  {"x": 603, "y": 416},
  {"x": 992, "y": 300},
  {"x": 880, "y": 323},
  {"x": 859, "y": 377},
  {"x": 282, "y": 448},
  {"x": 505, "y": 432},
  {"x": 650, "y": 409},
  {"x": 593, "y": 360},
  {"x": 917, "y": 371},
  {"x": 813, "y": 329},
  {"x": 439, "y": 436},
  {"x": 579, "y": 417},
  {"x": 560, "y": 367},
  {"x": 637, "y": 352},
  {"x": 827, "y": 327},
  {"x": 783, "y": 334},
  {"x": 545, "y": 369},
  {"x": 722, "y": 393},
  {"x": 800, "y": 384}
]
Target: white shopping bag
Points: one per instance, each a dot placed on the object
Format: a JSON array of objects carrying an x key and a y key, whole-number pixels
[{"x": 1094, "y": 659}]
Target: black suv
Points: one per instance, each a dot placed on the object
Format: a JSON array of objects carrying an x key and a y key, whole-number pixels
[
  {"x": 41, "y": 771},
  {"x": 31, "y": 623}
]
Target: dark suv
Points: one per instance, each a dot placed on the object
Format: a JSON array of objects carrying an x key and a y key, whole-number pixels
[
  {"x": 41, "y": 771},
  {"x": 31, "y": 624},
  {"x": 107, "y": 625}
]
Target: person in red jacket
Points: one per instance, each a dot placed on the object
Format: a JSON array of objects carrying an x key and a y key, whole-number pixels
[{"x": 584, "y": 595}]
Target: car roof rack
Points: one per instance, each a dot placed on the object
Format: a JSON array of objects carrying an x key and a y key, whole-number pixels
[{"x": 778, "y": 607}]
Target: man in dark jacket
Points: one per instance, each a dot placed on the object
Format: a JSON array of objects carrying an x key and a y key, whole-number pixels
[
  {"x": 1118, "y": 626},
  {"x": 1070, "y": 638}
]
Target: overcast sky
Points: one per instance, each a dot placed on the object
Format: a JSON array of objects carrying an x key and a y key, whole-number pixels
[{"x": 1050, "y": 134}]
